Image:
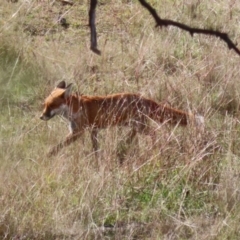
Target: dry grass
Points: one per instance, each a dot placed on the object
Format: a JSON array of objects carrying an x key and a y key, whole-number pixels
[{"x": 184, "y": 187}]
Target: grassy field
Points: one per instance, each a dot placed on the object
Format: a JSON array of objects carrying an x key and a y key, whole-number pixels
[{"x": 184, "y": 187}]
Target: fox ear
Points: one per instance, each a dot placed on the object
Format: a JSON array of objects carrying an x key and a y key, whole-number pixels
[
  {"x": 68, "y": 90},
  {"x": 62, "y": 85}
]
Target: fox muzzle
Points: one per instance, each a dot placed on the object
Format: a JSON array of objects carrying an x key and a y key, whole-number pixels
[{"x": 46, "y": 117}]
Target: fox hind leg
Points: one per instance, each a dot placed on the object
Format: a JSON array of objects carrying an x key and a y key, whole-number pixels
[
  {"x": 144, "y": 128},
  {"x": 125, "y": 144}
]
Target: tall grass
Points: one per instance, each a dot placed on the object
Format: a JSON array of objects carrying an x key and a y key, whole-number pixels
[{"x": 184, "y": 187}]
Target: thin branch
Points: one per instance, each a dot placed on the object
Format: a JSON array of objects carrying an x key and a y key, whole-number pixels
[
  {"x": 159, "y": 22},
  {"x": 166, "y": 22},
  {"x": 92, "y": 16}
]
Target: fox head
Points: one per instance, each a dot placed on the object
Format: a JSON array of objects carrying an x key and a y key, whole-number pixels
[{"x": 56, "y": 102}]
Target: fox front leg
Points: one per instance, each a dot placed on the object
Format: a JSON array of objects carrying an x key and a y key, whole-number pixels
[
  {"x": 94, "y": 139},
  {"x": 72, "y": 137}
]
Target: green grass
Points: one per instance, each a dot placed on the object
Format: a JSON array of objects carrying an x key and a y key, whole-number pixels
[{"x": 184, "y": 187}]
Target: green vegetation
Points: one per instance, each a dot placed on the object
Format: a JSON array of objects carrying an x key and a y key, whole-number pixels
[{"x": 184, "y": 187}]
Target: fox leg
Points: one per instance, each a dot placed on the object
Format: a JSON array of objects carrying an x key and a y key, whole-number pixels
[
  {"x": 131, "y": 135},
  {"x": 125, "y": 144},
  {"x": 94, "y": 139},
  {"x": 72, "y": 137},
  {"x": 150, "y": 132},
  {"x": 144, "y": 128}
]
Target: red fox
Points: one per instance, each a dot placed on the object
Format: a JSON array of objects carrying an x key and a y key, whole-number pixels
[{"x": 99, "y": 112}]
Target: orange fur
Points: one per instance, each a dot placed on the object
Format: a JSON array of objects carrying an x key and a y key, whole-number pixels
[{"x": 98, "y": 112}]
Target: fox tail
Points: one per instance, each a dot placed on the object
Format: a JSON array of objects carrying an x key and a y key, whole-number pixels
[{"x": 162, "y": 113}]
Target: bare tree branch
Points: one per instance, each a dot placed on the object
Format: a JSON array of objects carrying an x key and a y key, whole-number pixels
[
  {"x": 166, "y": 22},
  {"x": 159, "y": 22},
  {"x": 92, "y": 17}
]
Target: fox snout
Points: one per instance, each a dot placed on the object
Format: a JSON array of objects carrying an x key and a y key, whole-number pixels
[{"x": 46, "y": 116}]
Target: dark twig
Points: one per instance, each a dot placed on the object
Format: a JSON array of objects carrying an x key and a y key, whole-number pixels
[
  {"x": 92, "y": 17},
  {"x": 166, "y": 22}
]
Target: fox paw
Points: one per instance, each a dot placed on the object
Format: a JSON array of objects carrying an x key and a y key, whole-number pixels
[{"x": 52, "y": 152}]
